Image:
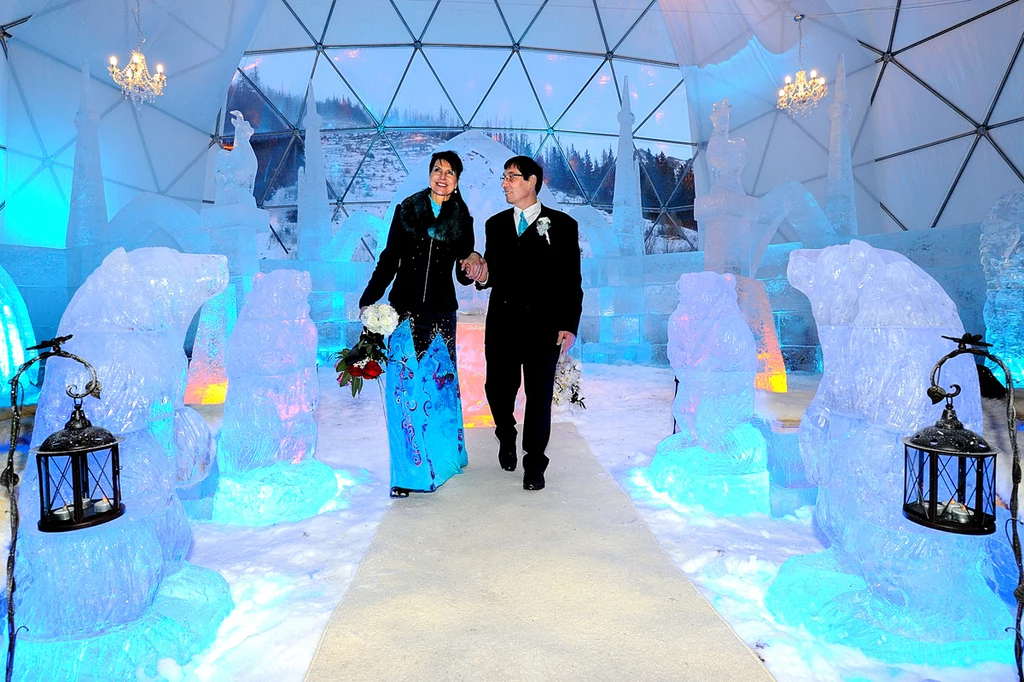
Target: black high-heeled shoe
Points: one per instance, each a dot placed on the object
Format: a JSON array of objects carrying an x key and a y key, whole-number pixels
[{"x": 400, "y": 492}]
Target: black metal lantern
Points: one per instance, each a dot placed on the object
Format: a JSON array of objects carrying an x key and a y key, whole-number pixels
[
  {"x": 949, "y": 474},
  {"x": 950, "y": 477},
  {"x": 79, "y": 481}
]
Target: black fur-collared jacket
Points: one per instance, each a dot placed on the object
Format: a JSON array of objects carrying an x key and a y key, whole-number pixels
[{"x": 420, "y": 254}]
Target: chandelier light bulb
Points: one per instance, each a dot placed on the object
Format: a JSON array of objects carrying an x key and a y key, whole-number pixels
[
  {"x": 788, "y": 81},
  {"x": 814, "y": 74},
  {"x": 113, "y": 60}
]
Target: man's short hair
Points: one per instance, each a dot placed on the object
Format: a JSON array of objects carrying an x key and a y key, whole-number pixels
[
  {"x": 451, "y": 157},
  {"x": 528, "y": 167}
]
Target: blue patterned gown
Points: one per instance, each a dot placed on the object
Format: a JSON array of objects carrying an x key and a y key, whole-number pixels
[{"x": 424, "y": 414}]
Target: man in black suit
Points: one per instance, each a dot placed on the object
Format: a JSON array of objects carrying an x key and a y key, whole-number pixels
[{"x": 533, "y": 270}]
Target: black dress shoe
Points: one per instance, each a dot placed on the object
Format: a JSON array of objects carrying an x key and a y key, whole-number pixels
[
  {"x": 533, "y": 480},
  {"x": 507, "y": 458},
  {"x": 400, "y": 492}
]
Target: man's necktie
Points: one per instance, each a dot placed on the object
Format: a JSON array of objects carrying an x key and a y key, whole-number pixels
[{"x": 522, "y": 223}]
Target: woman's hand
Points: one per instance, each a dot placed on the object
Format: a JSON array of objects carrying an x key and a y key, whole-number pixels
[{"x": 474, "y": 266}]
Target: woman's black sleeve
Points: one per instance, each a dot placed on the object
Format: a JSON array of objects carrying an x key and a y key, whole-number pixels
[{"x": 387, "y": 263}]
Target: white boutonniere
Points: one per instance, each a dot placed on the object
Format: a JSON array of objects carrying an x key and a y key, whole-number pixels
[{"x": 543, "y": 225}]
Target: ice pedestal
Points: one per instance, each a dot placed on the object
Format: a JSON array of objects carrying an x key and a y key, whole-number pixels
[
  {"x": 717, "y": 462},
  {"x": 207, "y": 370},
  {"x": 880, "y": 320},
  {"x": 1002, "y": 256},
  {"x": 129, "y": 320},
  {"x": 469, "y": 336},
  {"x": 268, "y": 415}
]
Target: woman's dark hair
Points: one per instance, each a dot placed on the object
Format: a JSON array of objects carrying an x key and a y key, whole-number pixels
[
  {"x": 528, "y": 167},
  {"x": 451, "y": 158}
]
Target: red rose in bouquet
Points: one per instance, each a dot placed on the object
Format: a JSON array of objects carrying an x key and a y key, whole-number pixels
[
  {"x": 366, "y": 359},
  {"x": 372, "y": 370}
]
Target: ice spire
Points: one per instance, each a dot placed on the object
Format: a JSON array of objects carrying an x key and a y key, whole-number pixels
[
  {"x": 840, "y": 194},
  {"x": 627, "y": 220},
  {"x": 314, "y": 207},
  {"x": 87, "y": 220}
]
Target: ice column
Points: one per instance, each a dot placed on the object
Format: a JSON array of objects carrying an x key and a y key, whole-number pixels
[
  {"x": 627, "y": 221},
  {"x": 87, "y": 219},
  {"x": 1002, "y": 256},
  {"x": 232, "y": 223},
  {"x": 893, "y": 588},
  {"x": 129, "y": 320},
  {"x": 717, "y": 462},
  {"x": 265, "y": 454},
  {"x": 840, "y": 194},
  {"x": 314, "y": 207}
]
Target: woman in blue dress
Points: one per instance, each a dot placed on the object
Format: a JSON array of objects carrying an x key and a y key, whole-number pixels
[{"x": 430, "y": 236}]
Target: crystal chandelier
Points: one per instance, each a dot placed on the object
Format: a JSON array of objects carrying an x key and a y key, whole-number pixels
[
  {"x": 798, "y": 96},
  {"x": 134, "y": 79}
]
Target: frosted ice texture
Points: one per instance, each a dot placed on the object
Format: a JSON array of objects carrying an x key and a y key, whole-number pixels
[
  {"x": 424, "y": 412},
  {"x": 235, "y": 169},
  {"x": 314, "y": 209},
  {"x": 207, "y": 370},
  {"x": 15, "y": 336},
  {"x": 840, "y": 192},
  {"x": 738, "y": 228},
  {"x": 87, "y": 218},
  {"x": 714, "y": 357},
  {"x": 1002, "y": 257},
  {"x": 272, "y": 382},
  {"x": 129, "y": 320},
  {"x": 358, "y": 226},
  {"x": 187, "y": 608},
  {"x": 880, "y": 319},
  {"x": 627, "y": 219}
]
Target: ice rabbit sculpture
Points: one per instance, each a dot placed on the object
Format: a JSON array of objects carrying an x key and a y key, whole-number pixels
[
  {"x": 880, "y": 320},
  {"x": 129, "y": 320}
]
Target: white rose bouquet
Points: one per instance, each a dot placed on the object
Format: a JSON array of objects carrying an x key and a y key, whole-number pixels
[
  {"x": 568, "y": 379},
  {"x": 367, "y": 359}
]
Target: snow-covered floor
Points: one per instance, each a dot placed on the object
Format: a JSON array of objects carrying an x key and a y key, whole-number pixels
[{"x": 287, "y": 579}]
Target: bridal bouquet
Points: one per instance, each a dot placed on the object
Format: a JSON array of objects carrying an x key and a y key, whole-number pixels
[
  {"x": 366, "y": 359},
  {"x": 568, "y": 376}
]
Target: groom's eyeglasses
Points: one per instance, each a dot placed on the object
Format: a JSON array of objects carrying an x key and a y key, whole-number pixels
[{"x": 509, "y": 177}]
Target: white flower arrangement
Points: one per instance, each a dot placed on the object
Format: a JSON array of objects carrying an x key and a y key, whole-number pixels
[
  {"x": 568, "y": 377},
  {"x": 380, "y": 319},
  {"x": 543, "y": 225}
]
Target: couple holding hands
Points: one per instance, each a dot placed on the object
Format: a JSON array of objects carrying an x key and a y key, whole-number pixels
[{"x": 531, "y": 264}]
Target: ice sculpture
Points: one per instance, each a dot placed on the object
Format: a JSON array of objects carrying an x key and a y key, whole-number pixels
[
  {"x": 265, "y": 453},
  {"x": 897, "y": 590},
  {"x": 726, "y": 214},
  {"x": 235, "y": 169},
  {"x": 344, "y": 245},
  {"x": 15, "y": 336},
  {"x": 87, "y": 217},
  {"x": 717, "y": 461},
  {"x": 314, "y": 208},
  {"x": 129, "y": 320},
  {"x": 469, "y": 335},
  {"x": 840, "y": 193},
  {"x": 1002, "y": 257},
  {"x": 424, "y": 399},
  {"x": 207, "y": 369},
  {"x": 627, "y": 220}
]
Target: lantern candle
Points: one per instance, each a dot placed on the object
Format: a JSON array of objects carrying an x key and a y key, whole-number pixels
[
  {"x": 101, "y": 506},
  {"x": 62, "y": 513}
]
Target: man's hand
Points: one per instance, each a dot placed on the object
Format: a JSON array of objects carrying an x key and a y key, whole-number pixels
[
  {"x": 473, "y": 266},
  {"x": 566, "y": 340}
]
